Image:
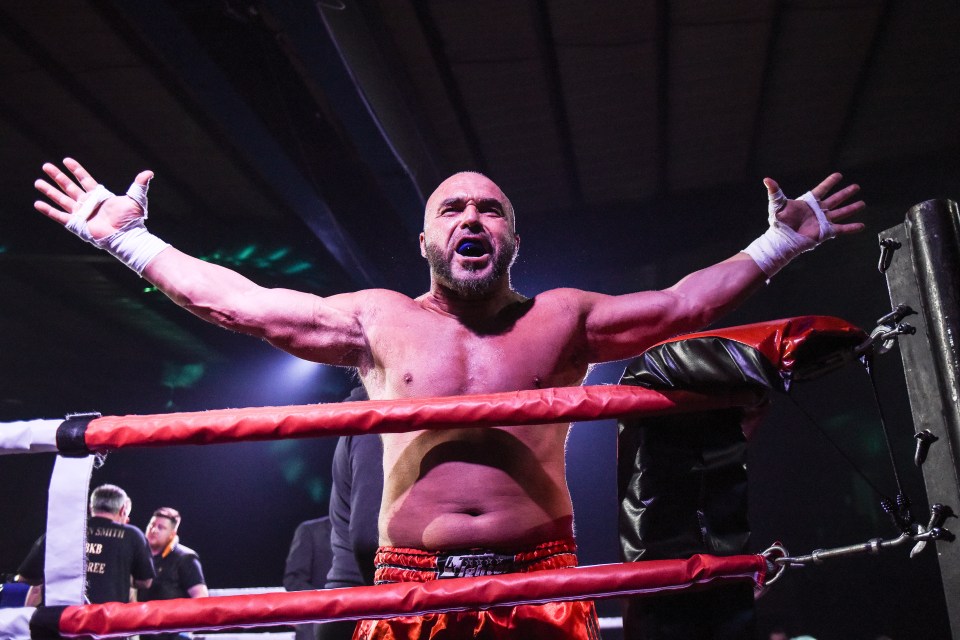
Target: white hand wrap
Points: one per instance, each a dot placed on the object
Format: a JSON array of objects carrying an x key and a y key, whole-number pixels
[
  {"x": 780, "y": 244},
  {"x": 132, "y": 244}
]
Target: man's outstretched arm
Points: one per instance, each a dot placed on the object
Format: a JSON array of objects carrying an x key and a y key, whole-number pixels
[
  {"x": 321, "y": 329},
  {"x": 623, "y": 326}
]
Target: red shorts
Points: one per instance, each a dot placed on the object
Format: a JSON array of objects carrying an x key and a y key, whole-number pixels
[{"x": 554, "y": 620}]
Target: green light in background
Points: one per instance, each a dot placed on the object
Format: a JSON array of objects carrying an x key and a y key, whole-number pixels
[
  {"x": 293, "y": 470},
  {"x": 182, "y": 376},
  {"x": 279, "y": 253},
  {"x": 318, "y": 490},
  {"x": 245, "y": 253},
  {"x": 297, "y": 267},
  {"x": 276, "y": 261}
]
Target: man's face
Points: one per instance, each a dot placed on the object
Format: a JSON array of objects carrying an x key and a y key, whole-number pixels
[
  {"x": 469, "y": 237},
  {"x": 160, "y": 532}
]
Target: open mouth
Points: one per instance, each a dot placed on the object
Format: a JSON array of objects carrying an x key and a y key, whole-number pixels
[{"x": 472, "y": 248}]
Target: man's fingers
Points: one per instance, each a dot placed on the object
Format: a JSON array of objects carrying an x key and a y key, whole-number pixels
[
  {"x": 845, "y": 229},
  {"x": 821, "y": 190},
  {"x": 50, "y": 212},
  {"x": 83, "y": 176},
  {"x": 56, "y": 195},
  {"x": 67, "y": 185},
  {"x": 838, "y": 198},
  {"x": 845, "y": 212}
]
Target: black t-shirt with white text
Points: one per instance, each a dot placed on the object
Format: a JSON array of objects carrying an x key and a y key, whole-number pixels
[{"x": 115, "y": 552}]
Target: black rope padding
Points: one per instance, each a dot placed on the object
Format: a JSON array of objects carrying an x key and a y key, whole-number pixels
[
  {"x": 45, "y": 623},
  {"x": 71, "y": 434},
  {"x": 703, "y": 364}
]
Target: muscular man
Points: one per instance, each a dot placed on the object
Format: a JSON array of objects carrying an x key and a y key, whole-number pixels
[
  {"x": 116, "y": 552},
  {"x": 459, "y": 501}
]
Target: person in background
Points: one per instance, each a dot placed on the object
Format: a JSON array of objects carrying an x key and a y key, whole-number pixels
[
  {"x": 308, "y": 562},
  {"x": 117, "y": 553},
  {"x": 179, "y": 574}
]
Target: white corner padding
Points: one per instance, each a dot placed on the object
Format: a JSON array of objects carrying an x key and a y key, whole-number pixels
[{"x": 29, "y": 436}]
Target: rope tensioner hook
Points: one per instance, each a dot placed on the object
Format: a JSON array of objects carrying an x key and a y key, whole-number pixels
[{"x": 778, "y": 558}]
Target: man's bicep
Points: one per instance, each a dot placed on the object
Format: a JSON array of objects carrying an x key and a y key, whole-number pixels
[
  {"x": 623, "y": 326},
  {"x": 326, "y": 330}
]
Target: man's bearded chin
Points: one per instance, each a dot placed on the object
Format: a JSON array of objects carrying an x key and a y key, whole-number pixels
[{"x": 480, "y": 286}]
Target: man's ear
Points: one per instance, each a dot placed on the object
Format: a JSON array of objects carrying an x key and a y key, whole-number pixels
[{"x": 423, "y": 246}]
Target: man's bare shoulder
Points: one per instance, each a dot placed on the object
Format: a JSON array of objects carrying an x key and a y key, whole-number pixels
[
  {"x": 567, "y": 297},
  {"x": 372, "y": 299}
]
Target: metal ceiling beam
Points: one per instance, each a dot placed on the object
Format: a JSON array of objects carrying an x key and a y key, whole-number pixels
[
  {"x": 85, "y": 97},
  {"x": 458, "y": 102},
  {"x": 258, "y": 149},
  {"x": 396, "y": 138},
  {"x": 558, "y": 108}
]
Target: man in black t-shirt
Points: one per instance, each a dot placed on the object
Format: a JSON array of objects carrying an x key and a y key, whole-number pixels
[
  {"x": 179, "y": 574},
  {"x": 116, "y": 552}
]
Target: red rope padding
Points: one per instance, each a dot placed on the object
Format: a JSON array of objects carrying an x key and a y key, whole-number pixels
[
  {"x": 779, "y": 340},
  {"x": 536, "y": 406},
  {"x": 408, "y": 598}
]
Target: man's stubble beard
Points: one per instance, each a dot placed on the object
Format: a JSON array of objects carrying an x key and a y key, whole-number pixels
[{"x": 471, "y": 288}]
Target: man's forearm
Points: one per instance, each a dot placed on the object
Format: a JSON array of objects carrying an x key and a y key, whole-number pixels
[
  {"x": 710, "y": 293},
  {"x": 209, "y": 291}
]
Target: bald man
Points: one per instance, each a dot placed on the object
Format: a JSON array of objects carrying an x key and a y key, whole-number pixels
[{"x": 459, "y": 501}]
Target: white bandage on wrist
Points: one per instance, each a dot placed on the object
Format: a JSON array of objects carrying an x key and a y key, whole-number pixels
[
  {"x": 132, "y": 244},
  {"x": 780, "y": 244}
]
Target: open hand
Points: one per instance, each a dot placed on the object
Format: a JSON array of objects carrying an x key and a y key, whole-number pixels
[
  {"x": 800, "y": 217},
  {"x": 69, "y": 195}
]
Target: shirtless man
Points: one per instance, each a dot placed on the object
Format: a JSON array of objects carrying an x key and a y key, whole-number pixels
[{"x": 459, "y": 501}]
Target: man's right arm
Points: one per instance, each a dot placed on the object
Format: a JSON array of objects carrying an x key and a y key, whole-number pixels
[
  {"x": 324, "y": 330},
  {"x": 320, "y": 329},
  {"x": 142, "y": 571}
]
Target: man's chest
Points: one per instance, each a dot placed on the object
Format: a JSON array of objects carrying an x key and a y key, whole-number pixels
[{"x": 428, "y": 356}]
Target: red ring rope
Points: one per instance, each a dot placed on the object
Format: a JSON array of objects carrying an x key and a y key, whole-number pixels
[
  {"x": 406, "y": 598},
  {"x": 536, "y": 406}
]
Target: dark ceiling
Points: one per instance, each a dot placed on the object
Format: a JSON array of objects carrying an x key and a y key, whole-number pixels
[{"x": 296, "y": 142}]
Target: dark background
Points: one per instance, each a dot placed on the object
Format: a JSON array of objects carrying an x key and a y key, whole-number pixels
[{"x": 296, "y": 142}]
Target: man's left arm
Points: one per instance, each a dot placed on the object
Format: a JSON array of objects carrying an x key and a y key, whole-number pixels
[
  {"x": 623, "y": 326},
  {"x": 191, "y": 577}
]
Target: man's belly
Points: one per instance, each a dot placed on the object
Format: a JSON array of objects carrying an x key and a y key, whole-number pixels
[{"x": 456, "y": 504}]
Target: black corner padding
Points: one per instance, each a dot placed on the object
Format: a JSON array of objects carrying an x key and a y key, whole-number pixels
[
  {"x": 45, "y": 623},
  {"x": 70, "y": 434}
]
